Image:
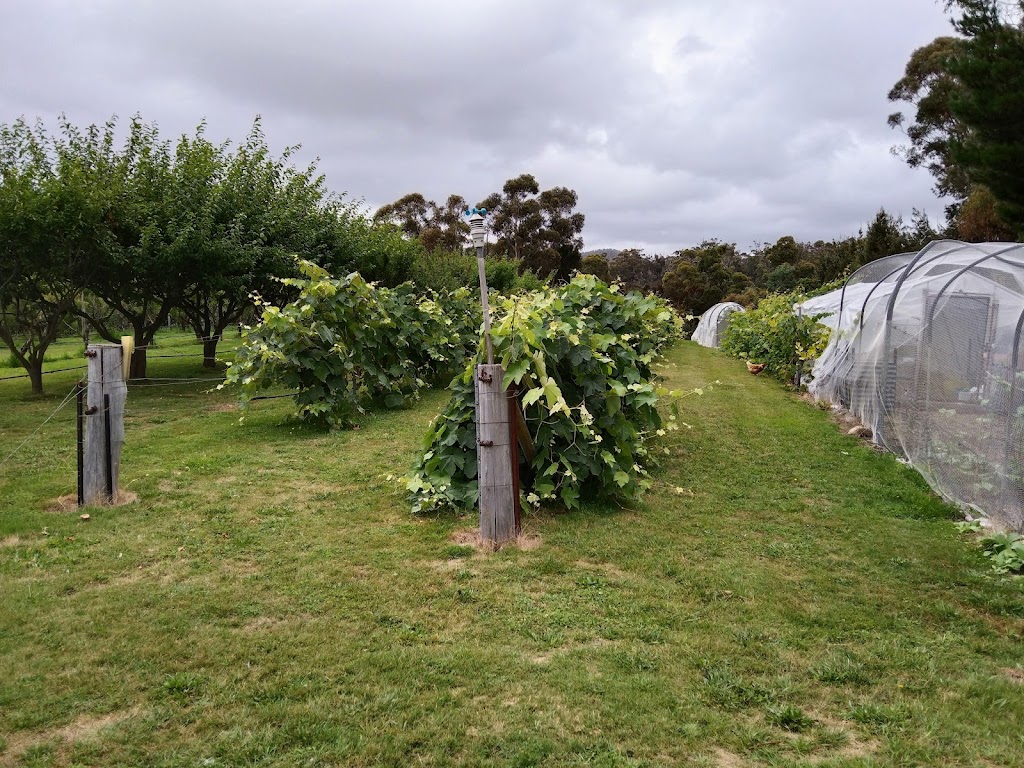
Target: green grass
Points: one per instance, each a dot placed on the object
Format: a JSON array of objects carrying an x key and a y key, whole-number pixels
[
  {"x": 66, "y": 353},
  {"x": 785, "y": 596}
]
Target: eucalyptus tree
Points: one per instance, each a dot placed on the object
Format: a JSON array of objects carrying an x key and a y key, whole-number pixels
[
  {"x": 989, "y": 101},
  {"x": 538, "y": 229}
]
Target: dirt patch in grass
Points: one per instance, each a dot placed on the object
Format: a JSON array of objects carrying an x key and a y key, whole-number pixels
[
  {"x": 529, "y": 542},
  {"x": 161, "y": 573},
  {"x": 221, "y": 408},
  {"x": 611, "y": 570},
  {"x": 1014, "y": 675},
  {"x": 83, "y": 728},
  {"x": 598, "y": 643},
  {"x": 726, "y": 759},
  {"x": 10, "y": 541},
  {"x": 854, "y": 748},
  {"x": 260, "y": 623},
  {"x": 69, "y": 502},
  {"x": 470, "y": 537}
]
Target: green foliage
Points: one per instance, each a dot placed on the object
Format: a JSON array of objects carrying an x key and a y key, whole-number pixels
[
  {"x": 538, "y": 229},
  {"x": 441, "y": 270},
  {"x": 929, "y": 87},
  {"x": 699, "y": 277},
  {"x": 581, "y": 356},
  {"x": 789, "y": 717},
  {"x": 343, "y": 344},
  {"x": 988, "y": 104},
  {"x": 1006, "y": 550},
  {"x": 595, "y": 264},
  {"x": 49, "y": 220},
  {"x": 773, "y": 334}
]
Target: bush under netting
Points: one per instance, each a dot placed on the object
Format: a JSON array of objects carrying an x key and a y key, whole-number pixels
[
  {"x": 927, "y": 352},
  {"x": 713, "y": 323}
]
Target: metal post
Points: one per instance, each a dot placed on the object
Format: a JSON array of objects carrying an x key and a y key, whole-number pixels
[
  {"x": 80, "y": 398},
  {"x": 513, "y": 439},
  {"x": 109, "y": 452}
]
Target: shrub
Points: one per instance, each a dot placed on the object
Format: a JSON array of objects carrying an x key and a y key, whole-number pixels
[
  {"x": 580, "y": 355},
  {"x": 345, "y": 343},
  {"x": 1006, "y": 551},
  {"x": 773, "y": 334}
]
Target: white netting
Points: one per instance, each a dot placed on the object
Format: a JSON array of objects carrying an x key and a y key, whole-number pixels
[
  {"x": 713, "y": 323},
  {"x": 927, "y": 351}
]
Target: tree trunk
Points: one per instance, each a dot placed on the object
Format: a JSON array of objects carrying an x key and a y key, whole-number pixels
[
  {"x": 137, "y": 369},
  {"x": 35, "y": 374},
  {"x": 210, "y": 351}
]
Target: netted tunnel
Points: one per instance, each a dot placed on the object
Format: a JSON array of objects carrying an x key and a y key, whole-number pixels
[{"x": 926, "y": 350}]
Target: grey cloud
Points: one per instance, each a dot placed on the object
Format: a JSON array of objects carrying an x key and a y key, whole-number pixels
[{"x": 674, "y": 120}]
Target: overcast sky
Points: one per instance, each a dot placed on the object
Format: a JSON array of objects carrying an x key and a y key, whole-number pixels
[{"x": 674, "y": 120}]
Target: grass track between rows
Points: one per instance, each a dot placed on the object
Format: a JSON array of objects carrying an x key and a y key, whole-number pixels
[{"x": 785, "y": 595}]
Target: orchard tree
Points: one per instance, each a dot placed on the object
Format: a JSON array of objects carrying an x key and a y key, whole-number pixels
[
  {"x": 245, "y": 215},
  {"x": 138, "y": 268},
  {"x": 49, "y": 225}
]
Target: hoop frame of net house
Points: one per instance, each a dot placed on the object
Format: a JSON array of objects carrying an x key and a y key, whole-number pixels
[
  {"x": 928, "y": 352},
  {"x": 711, "y": 327}
]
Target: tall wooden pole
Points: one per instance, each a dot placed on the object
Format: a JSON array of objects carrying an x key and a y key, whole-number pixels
[
  {"x": 480, "y": 266},
  {"x": 494, "y": 434},
  {"x": 494, "y": 449},
  {"x": 104, "y": 433}
]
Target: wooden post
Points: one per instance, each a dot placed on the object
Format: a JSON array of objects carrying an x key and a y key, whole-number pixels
[
  {"x": 106, "y": 383},
  {"x": 494, "y": 457}
]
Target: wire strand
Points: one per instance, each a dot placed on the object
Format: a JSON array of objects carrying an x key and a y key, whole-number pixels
[
  {"x": 44, "y": 373},
  {"x": 64, "y": 402}
]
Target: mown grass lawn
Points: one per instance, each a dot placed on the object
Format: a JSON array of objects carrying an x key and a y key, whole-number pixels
[{"x": 784, "y": 596}]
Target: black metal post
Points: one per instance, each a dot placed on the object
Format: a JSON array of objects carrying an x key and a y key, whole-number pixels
[
  {"x": 80, "y": 397},
  {"x": 110, "y": 457}
]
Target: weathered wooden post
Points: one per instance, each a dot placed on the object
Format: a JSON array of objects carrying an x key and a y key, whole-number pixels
[
  {"x": 104, "y": 433},
  {"x": 494, "y": 432}
]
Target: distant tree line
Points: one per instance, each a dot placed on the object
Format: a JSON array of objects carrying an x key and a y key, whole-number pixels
[{"x": 695, "y": 279}]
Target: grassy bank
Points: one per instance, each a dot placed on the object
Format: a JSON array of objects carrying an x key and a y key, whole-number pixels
[{"x": 784, "y": 596}]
